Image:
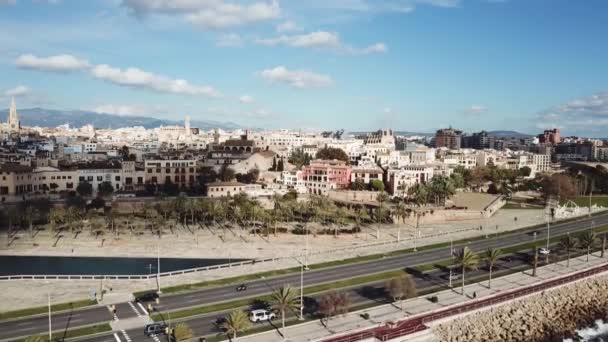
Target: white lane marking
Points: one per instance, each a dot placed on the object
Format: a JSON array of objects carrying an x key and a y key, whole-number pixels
[
  {"x": 24, "y": 323},
  {"x": 124, "y": 333},
  {"x": 143, "y": 309},
  {"x": 156, "y": 339},
  {"x": 134, "y": 309},
  {"x": 112, "y": 313},
  {"x": 117, "y": 338}
]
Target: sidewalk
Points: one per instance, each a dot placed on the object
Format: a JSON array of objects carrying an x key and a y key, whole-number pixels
[{"x": 352, "y": 322}]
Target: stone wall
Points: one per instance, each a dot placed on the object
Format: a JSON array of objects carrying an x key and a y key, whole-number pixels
[{"x": 548, "y": 316}]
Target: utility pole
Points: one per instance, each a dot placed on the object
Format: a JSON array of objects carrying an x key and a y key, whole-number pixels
[{"x": 50, "y": 327}]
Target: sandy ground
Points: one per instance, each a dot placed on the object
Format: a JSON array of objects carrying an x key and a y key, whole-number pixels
[{"x": 205, "y": 243}]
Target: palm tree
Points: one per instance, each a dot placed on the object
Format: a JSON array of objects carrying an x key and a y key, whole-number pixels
[
  {"x": 237, "y": 322},
  {"x": 341, "y": 215},
  {"x": 401, "y": 213},
  {"x": 56, "y": 217},
  {"x": 492, "y": 255},
  {"x": 71, "y": 216},
  {"x": 587, "y": 241},
  {"x": 466, "y": 260},
  {"x": 182, "y": 332},
  {"x": 284, "y": 299},
  {"x": 568, "y": 243}
]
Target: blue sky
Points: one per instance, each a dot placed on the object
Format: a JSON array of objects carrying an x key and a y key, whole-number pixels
[{"x": 412, "y": 65}]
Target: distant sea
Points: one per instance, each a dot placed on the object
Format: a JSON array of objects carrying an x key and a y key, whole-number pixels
[{"x": 596, "y": 333}]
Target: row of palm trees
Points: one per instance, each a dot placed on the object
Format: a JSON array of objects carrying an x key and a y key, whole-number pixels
[{"x": 466, "y": 259}]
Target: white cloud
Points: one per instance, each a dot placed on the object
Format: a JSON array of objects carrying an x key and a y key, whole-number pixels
[
  {"x": 230, "y": 40},
  {"x": 18, "y": 91},
  {"x": 313, "y": 39},
  {"x": 121, "y": 109},
  {"x": 476, "y": 109},
  {"x": 288, "y": 26},
  {"x": 208, "y": 14},
  {"x": 321, "y": 39},
  {"x": 58, "y": 63},
  {"x": 379, "y": 6},
  {"x": 246, "y": 99},
  {"x": 584, "y": 116},
  {"x": 137, "y": 78},
  {"x": 301, "y": 79}
]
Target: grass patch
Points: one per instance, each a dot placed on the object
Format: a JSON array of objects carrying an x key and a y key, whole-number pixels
[
  {"x": 62, "y": 335},
  {"x": 583, "y": 201},
  {"x": 45, "y": 309}
]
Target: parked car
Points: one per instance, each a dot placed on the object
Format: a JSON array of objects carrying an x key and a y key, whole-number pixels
[
  {"x": 544, "y": 251},
  {"x": 147, "y": 297},
  {"x": 261, "y": 315},
  {"x": 155, "y": 329}
]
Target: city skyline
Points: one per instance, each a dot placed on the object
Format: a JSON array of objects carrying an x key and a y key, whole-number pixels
[{"x": 351, "y": 64}]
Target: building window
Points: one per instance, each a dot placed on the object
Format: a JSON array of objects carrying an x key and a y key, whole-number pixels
[
  {"x": 81, "y": 179},
  {"x": 117, "y": 178},
  {"x": 99, "y": 178}
]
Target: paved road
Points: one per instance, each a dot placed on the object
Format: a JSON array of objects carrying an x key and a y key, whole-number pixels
[
  {"x": 264, "y": 286},
  {"x": 205, "y": 325}
]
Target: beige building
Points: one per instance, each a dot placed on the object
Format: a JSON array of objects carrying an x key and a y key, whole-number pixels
[
  {"x": 15, "y": 179},
  {"x": 224, "y": 189},
  {"x": 180, "y": 172}
]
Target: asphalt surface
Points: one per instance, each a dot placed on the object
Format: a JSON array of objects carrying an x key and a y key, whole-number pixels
[{"x": 204, "y": 325}]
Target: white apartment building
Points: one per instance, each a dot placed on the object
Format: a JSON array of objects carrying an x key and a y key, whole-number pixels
[{"x": 400, "y": 180}]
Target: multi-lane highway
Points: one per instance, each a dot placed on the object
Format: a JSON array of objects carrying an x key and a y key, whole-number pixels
[{"x": 203, "y": 325}]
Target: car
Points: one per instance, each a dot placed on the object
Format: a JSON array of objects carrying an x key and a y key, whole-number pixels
[
  {"x": 261, "y": 315},
  {"x": 155, "y": 329},
  {"x": 241, "y": 287},
  {"x": 147, "y": 297},
  {"x": 220, "y": 324},
  {"x": 544, "y": 251}
]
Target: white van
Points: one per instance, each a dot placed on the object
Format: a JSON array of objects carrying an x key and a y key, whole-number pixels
[{"x": 261, "y": 315}]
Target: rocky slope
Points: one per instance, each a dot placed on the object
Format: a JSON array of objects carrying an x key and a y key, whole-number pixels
[{"x": 548, "y": 316}]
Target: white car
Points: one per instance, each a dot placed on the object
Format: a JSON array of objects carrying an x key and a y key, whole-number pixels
[
  {"x": 544, "y": 251},
  {"x": 261, "y": 315}
]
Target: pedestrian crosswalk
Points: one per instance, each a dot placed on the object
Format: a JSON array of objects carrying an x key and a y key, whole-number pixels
[
  {"x": 155, "y": 338},
  {"x": 135, "y": 309},
  {"x": 126, "y": 336}
]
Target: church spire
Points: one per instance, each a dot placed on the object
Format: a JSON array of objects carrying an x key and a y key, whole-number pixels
[{"x": 13, "y": 118}]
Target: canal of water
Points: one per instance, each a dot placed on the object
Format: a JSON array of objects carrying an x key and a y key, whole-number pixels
[{"x": 56, "y": 265}]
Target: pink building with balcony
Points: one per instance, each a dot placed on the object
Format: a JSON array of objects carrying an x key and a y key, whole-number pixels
[{"x": 324, "y": 175}]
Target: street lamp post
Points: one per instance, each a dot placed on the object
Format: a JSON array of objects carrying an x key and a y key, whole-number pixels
[
  {"x": 50, "y": 324},
  {"x": 548, "y": 238},
  {"x": 301, "y": 291},
  {"x": 158, "y": 268}
]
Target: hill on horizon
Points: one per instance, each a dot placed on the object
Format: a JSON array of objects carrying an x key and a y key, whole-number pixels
[{"x": 78, "y": 118}]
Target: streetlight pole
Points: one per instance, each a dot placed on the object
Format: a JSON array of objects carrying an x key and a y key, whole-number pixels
[
  {"x": 301, "y": 291},
  {"x": 50, "y": 324},
  {"x": 158, "y": 268}
]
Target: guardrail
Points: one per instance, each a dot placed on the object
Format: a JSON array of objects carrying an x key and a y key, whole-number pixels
[{"x": 418, "y": 323}]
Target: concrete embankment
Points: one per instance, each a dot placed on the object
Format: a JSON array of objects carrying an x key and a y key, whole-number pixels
[{"x": 548, "y": 316}]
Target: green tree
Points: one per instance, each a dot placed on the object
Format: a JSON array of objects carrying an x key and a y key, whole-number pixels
[
  {"x": 332, "y": 153},
  {"x": 226, "y": 174},
  {"x": 587, "y": 241},
  {"x": 466, "y": 260},
  {"x": 105, "y": 189},
  {"x": 420, "y": 193},
  {"x": 568, "y": 243},
  {"x": 84, "y": 189},
  {"x": 236, "y": 322},
  {"x": 357, "y": 185},
  {"x": 182, "y": 332},
  {"x": 491, "y": 256},
  {"x": 281, "y": 165},
  {"x": 376, "y": 185},
  {"x": 525, "y": 171},
  {"x": 285, "y": 298},
  {"x": 274, "y": 164},
  {"x": 299, "y": 158}
]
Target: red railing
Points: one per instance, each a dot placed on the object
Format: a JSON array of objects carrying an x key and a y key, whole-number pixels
[{"x": 417, "y": 323}]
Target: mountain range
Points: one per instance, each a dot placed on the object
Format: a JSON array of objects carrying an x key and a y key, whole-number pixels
[{"x": 77, "y": 118}]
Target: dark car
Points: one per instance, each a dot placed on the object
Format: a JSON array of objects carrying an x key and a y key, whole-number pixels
[
  {"x": 220, "y": 324},
  {"x": 155, "y": 329},
  {"x": 241, "y": 287},
  {"x": 147, "y": 297}
]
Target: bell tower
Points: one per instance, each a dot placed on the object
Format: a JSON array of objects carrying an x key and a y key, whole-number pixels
[{"x": 13, "y": 118}]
